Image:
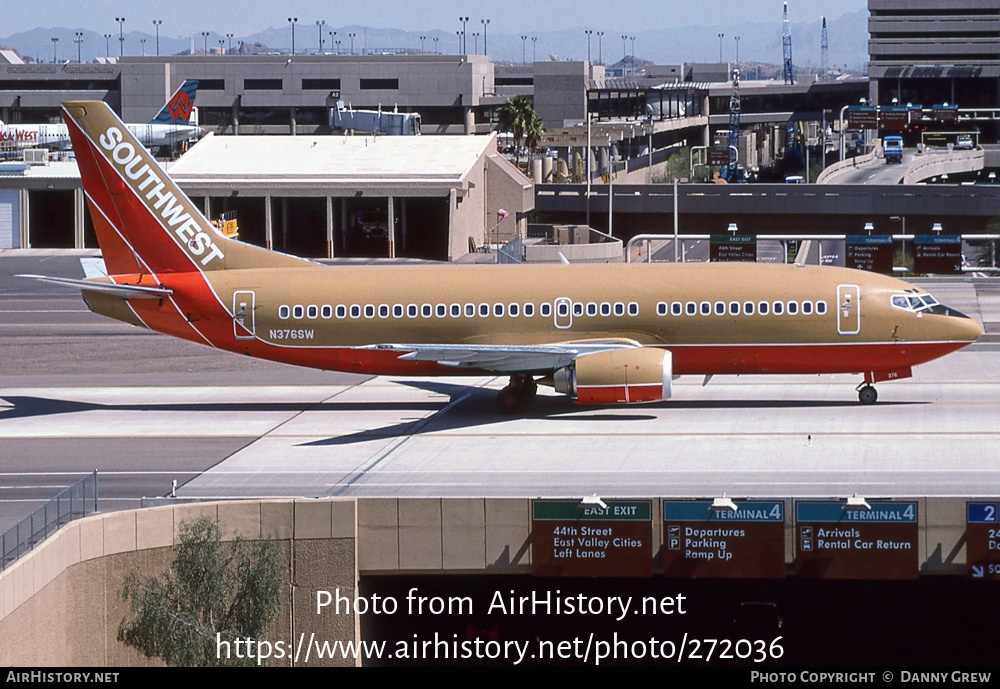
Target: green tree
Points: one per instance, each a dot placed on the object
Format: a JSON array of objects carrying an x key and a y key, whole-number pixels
[
  {"x": 518, "y": 116},
  {"x": 213, "y": 591}
]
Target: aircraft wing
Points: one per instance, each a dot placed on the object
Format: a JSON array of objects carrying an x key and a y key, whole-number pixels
[
  {"x": 123, "y": 291},
  {"x": 506, "y": 358}
]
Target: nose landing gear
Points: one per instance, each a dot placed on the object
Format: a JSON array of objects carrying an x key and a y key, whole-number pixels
[
  {"x": 867, "y": 394},
  {"x": 519, "y": 392}
]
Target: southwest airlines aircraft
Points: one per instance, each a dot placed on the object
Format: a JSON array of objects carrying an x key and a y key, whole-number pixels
[
  {"x": 170, "y": 126},
  {"x": 602, "y": 334}
]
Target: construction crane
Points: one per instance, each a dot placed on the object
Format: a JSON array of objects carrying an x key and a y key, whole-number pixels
[
  {"x": 786, "y": 47},
  {"x": 824, "y": 51},
  {"x": 731, "y": 172}
]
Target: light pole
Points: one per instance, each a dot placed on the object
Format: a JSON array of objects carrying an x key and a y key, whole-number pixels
[
  {"x": 222, "y": 46},
  {"x": 204, "y": 35},
  {"x": 484, "y": 22},
  {"x": 600, "y": 53},
  {"x": 624, "y": 52},
  {"x": 55, "y": 55},
  {"x": 319, "y": 29},
  {"x": 293, "y": 21},
  {"x": 333, "y": 35},
  {"x": 156, "y": 25},
  {"x": 79, "y": 42},
  {"x": 459, "y": 34},
  {"x": 721, "y": 36},
  {"x": 107, "y": 45},
  {"x": 142, "y": 42},
  {"x": 422, "y": 38},
  {"x": 121, "y": 35},
  {"x": 737, "y": 51},
  {"x": 475, "y": 42},
  {"x": 524, "y": 40},
  {"x": 435, "y": 39},
  {"x": 588, "y": 32},
  {"x": 461, "y": 38},
  {"x": 534, "y": 44},
  {"x": 338, "y": 46},
  {"x": 352, "y": 36},
  {"x": 229, "y": 36}
]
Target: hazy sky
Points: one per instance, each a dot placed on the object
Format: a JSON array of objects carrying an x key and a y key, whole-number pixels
[{"x": 243, "y": 17}]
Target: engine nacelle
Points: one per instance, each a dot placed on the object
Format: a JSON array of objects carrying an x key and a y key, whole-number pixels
[{"x": 618, "y": 376}]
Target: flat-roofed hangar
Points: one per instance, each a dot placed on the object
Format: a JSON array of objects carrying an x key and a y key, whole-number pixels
[{"x": 317, "y": 196}]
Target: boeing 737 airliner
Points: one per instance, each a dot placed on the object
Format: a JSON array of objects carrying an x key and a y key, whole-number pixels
[{"x": 602, "y": 334}]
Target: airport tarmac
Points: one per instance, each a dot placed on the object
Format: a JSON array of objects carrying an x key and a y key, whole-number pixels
[{"x": 79, "y": 392}]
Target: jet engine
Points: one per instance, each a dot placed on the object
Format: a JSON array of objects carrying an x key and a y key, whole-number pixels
[{"x": 617, "y": 376}]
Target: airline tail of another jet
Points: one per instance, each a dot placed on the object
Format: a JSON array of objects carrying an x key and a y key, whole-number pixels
[
  {"x": 144, "y": 222},
  {"x": 178, "y": 108}
]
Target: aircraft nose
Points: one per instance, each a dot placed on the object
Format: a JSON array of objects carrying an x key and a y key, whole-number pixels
[{"x": 965, "y": 329}]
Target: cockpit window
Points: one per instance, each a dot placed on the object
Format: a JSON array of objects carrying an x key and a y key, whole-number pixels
[{"x": 923, "y": 303}]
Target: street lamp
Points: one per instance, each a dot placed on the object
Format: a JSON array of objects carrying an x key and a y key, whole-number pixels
[
  {"x": 484, "y": 22},
  {"x": 632, "y": 38},
  {"x": 156, "y": 25},
  {"x": 79, "y": 42},
  {"x": 352, "y": 36},
  {"x": 292, "y": 21},
  {"x": 333, "y": 35},
  {"x": 338, "y": 46},
  {"x": 475, "y": 42},
  {"x": 121, "y": 35},
  {"x": 737, "y": 51},
  {"x": 534, "y": 44},
  {"x": 107, "y": 45},
  {"x": 461, "y": 39},
  {"x": 600, "y": 54},
  {"x": 205, "y": 36},
  {"x": 524, "y": 40},
  {"x": 721, "y": 36},
  {"x": 624, "y": 52},
  {"x": 142, "y": 42},
  {"x": 55, "y": 55},
  {"x": 436, "y": 39},
  {"x": 230, "y": 37},
  {"x": 222, "y": 46},
  {"x": 588, "y": 32},
  {"x": 319, "y": 28},
  {"x": 422, "y": 38}
]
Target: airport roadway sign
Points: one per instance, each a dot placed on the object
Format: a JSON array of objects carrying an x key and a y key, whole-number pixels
[
  {"x": 835, "y": 540},
  {"x": 700, "y": 540},
  {"x": 571, "y": 538},
  {"x": 734, "y": 248},
  {"x": 869, "y": 252},
  {"x": 982, "y": 540},
  {"x": 938, "y": 254}
]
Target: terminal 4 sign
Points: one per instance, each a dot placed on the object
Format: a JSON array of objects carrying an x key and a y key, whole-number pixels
[
  {"x": 838, "y": 541},
  {"x": 937, "y": 254},
  {"x": 700, "y": 540},
  {"x": 869, "y": 252},
  {"x": 982, "y": 540},
  {"x": 570, "y": 538}
]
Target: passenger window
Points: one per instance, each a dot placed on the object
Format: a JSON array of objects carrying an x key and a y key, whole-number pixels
[
  {"x": 369, "y": 311},
  {"x": 619, "y": 308},
  {"x": 562, "y": 309},
  {"x": 426, "y": 310},
  {"x": 545, "y": 310},
  {"x": 441, "y": 310},
  {"x": 484, "y": 310},
  {"x": 456, "y": 310},
  {"x": 734, "y": 308},
  {"x": 706, "y": 308},
  {"x": 355, "y": 311},
  {"x": 297, "y": 311},
  {"x": 411, "y": 310},
  {"x": 283, "y": 312},
  {"x": 312, "y": 311},
  {"x": 470, "y": 310},
  {"x": 513, "y": 309},
  {"x": 529, "y": 310},
  {"x": 326, "y": 311},
  {"x": 578, "y": 308},
  {"x": 762, "y": 308},
  {"x": 793, "y": 308},
  {"x": 748, "y": 308},
  {"x": 383, "y": 310},
  {"x": 779, "y": 308},
  {"x": 691, "y": 308},
  {"x": 807, "y": 307},
  {"x": 341, "y": 311},
  {"x": 498, "y": 310},
  {"x": 720, "y": 308},
  {"x": 605, "y": 308},
  {"x": 397, "y": 310},
  {"x": 661, "y": 308},
  {"x": 676, "y": 308},
  {"x": 821, "y": 307}
]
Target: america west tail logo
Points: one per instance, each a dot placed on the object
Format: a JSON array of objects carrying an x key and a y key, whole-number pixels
[{"x": 178, "y": 109}]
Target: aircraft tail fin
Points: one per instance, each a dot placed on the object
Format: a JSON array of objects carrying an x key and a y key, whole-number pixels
[
  {"x": 178, "y": 108},
  {"x": 144, "y": 222}
]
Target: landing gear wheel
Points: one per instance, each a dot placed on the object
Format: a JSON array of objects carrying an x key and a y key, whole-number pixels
[
  {"x": 518, "y": 393},
  {"x": 867, "y": 394}
]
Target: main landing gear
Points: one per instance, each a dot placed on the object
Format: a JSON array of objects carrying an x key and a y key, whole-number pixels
[
  {"x": 519, "y": 392},
  {"x": 867, "y": 394}
]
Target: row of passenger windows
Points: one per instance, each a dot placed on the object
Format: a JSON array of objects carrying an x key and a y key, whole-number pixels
[
  {"x": 563, "y": 308},
  {"x": 735, "y": 308}
]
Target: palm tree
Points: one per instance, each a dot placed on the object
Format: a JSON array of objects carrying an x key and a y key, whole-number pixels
[{"x": 518, "y": 116}]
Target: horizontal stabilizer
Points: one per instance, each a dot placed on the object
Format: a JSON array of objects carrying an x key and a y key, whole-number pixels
[{"x": 123, "y": 291}]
